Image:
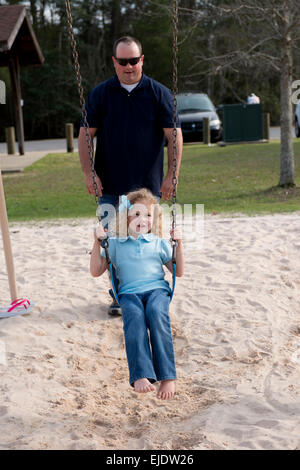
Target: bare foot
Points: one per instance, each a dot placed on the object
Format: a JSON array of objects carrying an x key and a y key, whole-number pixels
[
  {"x": 143, "y": 386},
  {"x": 166, "y": 390}
]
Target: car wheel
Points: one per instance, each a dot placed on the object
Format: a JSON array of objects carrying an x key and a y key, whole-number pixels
[{"x": 297, "y": 128}]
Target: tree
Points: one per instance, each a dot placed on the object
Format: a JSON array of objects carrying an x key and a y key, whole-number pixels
[
  {"x": 264, "y": 40},
  {"x": 227, "y": 48},
  {"x": 278, "y": 23}
]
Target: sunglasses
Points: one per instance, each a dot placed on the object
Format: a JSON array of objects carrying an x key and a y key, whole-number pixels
[{"x": 124, "y": 62}]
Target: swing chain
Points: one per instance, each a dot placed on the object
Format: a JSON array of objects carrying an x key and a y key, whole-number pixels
[
  {"x": 82, "y": 103},
  {"x": 105, "y": 243},
  {"x": 84, "y": 113},
  {"x": 174, "y": 132}
]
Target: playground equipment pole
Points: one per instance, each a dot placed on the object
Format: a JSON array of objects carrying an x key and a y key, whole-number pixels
[{"x": 7, "y": 244}]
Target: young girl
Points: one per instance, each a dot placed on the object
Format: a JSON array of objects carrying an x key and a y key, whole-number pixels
[{"x": 138, "y": 254}]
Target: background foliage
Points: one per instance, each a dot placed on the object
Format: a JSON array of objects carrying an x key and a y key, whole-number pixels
[{"x": 50, "y": 94}]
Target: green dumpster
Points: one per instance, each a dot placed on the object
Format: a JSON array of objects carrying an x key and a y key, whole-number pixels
[{"x": 242, "y": 122}]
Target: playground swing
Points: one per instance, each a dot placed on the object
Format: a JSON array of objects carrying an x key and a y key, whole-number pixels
[
  {"x": 105, "y": 242},
  {"x": 18, "y": 306}
]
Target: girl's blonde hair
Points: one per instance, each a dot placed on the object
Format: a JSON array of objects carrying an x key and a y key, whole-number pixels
[{"x": 135, "y": 197}]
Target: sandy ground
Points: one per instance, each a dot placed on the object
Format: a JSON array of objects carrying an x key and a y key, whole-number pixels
[{"x": 236, "y": 327}]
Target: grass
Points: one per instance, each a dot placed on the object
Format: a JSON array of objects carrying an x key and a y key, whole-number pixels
[
  {"x": 52, "y": 187},
  {"x": 238, "y": 178}
]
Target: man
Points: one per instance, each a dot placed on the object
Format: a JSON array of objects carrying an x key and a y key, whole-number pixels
[{"x": 131, "y": 114}]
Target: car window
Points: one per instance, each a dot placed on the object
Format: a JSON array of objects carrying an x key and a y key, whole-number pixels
[{"x": 194, "y": 103}]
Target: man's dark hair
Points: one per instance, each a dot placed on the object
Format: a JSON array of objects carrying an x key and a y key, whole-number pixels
[{"x": 127, "y": 40}]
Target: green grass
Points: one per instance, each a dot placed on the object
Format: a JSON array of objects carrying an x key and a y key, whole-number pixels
[
  {"x": 52, "y": 187},
  {"x": 238, "y": 178}
]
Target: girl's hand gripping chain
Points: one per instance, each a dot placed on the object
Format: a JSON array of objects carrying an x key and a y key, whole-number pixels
[
  {"x": 176, "y": 234},
  {"x": 100, "y": 233}
]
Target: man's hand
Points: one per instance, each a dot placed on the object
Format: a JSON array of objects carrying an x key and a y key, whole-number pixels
[
  {"x": 89, "y": 183},
  {"x": 167, "y": 187},
  {"x": 100, "y": 233}
]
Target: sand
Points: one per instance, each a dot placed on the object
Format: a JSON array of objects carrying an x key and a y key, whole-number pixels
[{"x": 236, "y": 327}]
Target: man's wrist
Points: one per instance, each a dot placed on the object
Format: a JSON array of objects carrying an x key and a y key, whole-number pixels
[{"x": 170, "y": 173}]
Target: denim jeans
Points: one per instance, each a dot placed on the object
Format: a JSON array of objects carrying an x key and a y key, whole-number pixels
[{"x": 140, "y": 312}]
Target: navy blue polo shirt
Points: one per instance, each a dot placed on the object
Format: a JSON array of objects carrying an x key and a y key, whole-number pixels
[{"x": 130, "y": 137}]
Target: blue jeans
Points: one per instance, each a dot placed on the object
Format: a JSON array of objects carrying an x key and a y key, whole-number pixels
[{"x": 140, "y": 312}]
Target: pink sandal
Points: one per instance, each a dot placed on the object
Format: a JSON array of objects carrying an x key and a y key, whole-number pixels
[{"x": 17, "y": 307}]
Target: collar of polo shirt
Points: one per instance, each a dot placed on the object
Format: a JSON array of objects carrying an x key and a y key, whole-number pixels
[
  {"x": 115, "y": 83},
  {"x": 147, "y": 237}
]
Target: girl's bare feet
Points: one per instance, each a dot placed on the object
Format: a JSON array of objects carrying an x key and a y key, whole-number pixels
[
  {"x": 166, "y": 390},
  {"x": 143, "y": 386}
]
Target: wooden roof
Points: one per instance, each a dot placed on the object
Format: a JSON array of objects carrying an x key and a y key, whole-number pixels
[{"x": 17, "y": 36}]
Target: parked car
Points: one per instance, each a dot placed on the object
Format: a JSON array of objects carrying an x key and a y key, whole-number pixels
[
  {"x": 192, "y": 108},
  {"x": 297, "y": 120}
]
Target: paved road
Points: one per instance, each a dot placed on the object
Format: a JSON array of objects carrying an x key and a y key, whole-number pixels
[
  {"x": 59, "y": 145},
  {"x": 47, "y": 145},
  {"x": 36, "y": 149},
  {"x": 275, "y": 133}
]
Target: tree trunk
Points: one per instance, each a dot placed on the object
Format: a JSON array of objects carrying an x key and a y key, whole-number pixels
[
  {"x": 33, "y": 11},
  {"x": 286, "y": 118},
  {"x": 115, "y": 20}
]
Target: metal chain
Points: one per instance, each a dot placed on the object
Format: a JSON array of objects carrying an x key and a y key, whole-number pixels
[
  {"x": 175, "y": 92},
  {"x": 82, "y": 103},
  {"x": 84, "y": 113},
  {"x": 104, "y": 242}
]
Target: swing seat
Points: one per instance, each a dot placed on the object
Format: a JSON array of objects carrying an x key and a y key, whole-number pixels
[
  {"x": 17, "y": 307},
  {"x": 114, "y": 309}
]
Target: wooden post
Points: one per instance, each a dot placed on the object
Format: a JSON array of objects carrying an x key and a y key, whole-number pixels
[
  {"x": 206, "y": 131},
  {"x": 14, "y": 68},
  {"x": 7, "y": 244},
  {"x": 10, "y": 140},
  {"x": 266, "y": 126},
  {"x": 70, "y": 137}
]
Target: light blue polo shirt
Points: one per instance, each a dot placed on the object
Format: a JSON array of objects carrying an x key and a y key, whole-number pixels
[{"x": 139, "y": 262}]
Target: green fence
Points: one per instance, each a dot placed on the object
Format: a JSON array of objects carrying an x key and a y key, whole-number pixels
[{"x": 242, "y": 122}]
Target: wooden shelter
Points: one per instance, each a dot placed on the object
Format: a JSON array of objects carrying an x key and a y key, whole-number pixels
[{"x": 18, "y": 47}]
